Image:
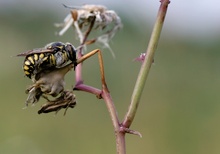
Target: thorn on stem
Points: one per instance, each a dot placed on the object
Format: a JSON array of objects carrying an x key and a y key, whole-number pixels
[
  {"x": 99, "y": 96},
  {"x": 129, "y": 131}
]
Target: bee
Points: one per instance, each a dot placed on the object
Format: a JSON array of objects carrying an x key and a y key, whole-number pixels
[{"x": 53, "y": 55}]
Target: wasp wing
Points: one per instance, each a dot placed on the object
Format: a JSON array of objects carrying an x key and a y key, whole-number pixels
[{"x": 36, "y": 51}]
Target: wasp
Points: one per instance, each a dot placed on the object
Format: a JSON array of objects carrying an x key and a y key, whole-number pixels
[{"x": 53, "y": 55}]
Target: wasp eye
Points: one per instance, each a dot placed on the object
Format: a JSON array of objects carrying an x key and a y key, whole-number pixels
[{"x": 71, "y": 51}]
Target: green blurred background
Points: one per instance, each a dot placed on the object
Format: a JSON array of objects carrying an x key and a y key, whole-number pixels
[{"x": 179, "y": 111}]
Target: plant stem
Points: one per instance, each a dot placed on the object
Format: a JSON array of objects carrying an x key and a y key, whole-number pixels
[
  {"x": 78, "y": 70},
  {"x": 121, "y": 129},
  {"x": 104, "y": 93},
  {"x": 120, "y": 136},
  {"x": 145, "y": 68}
]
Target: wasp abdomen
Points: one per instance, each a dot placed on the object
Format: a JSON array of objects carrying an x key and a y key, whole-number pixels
[{"x": 35, "y": 63}]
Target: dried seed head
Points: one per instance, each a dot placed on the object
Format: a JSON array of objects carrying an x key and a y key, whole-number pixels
[{"x": 81, "y": 17}]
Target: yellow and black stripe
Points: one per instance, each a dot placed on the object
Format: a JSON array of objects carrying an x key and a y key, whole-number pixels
[{"x": 55, "y": 54}]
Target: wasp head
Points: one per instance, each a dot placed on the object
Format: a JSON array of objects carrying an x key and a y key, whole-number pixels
[{"x": 71, "y": 52}]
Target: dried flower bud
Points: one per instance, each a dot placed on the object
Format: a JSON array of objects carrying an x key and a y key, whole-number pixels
[{"x": 141, "y": 57}]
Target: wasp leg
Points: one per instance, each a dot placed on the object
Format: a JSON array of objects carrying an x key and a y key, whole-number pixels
[
  {"x": 45, "y": 97},
  {"x": 34, "y": 94},
  {"x": 66, "y": 100},
  {"x": 84, "y": 57}
]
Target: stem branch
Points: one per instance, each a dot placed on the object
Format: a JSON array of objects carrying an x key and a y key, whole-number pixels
[{"x": 145, "y": 68}]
